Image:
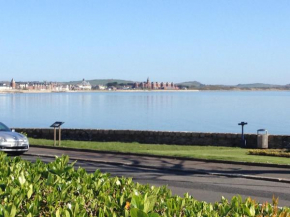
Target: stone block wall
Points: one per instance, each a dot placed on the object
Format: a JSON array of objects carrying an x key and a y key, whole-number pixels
[{"x": 157, "y": 137}]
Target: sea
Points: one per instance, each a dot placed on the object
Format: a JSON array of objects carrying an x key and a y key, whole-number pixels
[{"x": 199, "y": 111}]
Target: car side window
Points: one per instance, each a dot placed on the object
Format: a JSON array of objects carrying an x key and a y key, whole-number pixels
[{"x": 3, "y": 127}]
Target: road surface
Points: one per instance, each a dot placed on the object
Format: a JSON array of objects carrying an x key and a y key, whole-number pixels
[{"x": 187, "y": 176}]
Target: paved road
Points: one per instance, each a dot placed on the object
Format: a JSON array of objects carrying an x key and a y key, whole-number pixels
[{"x": 187, "y": 176}]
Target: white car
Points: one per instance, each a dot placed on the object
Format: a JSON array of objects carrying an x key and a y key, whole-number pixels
[{"x": 12, "y": 142}]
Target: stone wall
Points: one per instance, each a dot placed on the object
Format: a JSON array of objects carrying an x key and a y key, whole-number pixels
[{"x": 157, "y": 137}]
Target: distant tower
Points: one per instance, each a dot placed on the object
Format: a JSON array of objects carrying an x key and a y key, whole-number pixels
[
  {"x": 13, "y": 84},
  {"x": 148, "y": 83}
]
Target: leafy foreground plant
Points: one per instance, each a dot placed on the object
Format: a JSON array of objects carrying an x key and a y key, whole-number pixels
[{"x": 58, "y": 189}]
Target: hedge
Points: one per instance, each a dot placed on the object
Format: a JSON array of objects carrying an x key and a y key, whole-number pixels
[{"x": 270, "y": 152}]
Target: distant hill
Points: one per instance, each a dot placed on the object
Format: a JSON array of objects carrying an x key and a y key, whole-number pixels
[
  {"x": 190, "y": 84},
  {"x": 102, "y": 81},
  {"x": 258, "y": 85},
  {"x": 253, "y": 86}
]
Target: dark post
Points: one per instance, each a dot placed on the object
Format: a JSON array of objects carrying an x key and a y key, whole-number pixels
[{"x": 243, "y": 141}]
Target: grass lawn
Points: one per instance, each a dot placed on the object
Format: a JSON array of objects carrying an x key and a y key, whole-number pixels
[{"x": 201, "y": 152}]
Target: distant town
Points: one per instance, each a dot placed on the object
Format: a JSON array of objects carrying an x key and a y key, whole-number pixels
[
  {"x": 85, "y": 85},
  {"x": 115, "y": 84}
]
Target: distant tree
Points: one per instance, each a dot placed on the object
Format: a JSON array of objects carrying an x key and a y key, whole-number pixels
[
  {"x": 124, "y": 84},
  {"x": 182, "y": 86},
  {"x": 111, "y": 84}
]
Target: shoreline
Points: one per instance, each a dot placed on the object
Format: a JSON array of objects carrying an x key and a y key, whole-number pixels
[
  {"x": 89, "y": 91},
  {"x": 130, "y": 91}
]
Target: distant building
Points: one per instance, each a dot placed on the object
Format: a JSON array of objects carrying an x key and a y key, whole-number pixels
[
  {"x": 36, "y": 85},
  {"x": 112, "y": 88},
  {"x": 60, "y": 87},
  {"x": 100, "y": 87},
  {"x": 21, "y": 85},
  {"x": 155, "y": 85},
  {"x": 5, "y": 86},
  {"x": 13, "y": 84},
  {"x": 84, "y": 85}
]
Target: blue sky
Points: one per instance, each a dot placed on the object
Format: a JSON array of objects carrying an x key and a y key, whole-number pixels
[{"x": 214, "y": 42}]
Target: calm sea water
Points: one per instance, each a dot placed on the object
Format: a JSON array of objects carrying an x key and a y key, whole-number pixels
[{"x": 219, "y": 111}]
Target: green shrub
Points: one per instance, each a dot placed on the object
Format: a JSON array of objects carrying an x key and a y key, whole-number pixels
[{"x": 58, "y": 189}]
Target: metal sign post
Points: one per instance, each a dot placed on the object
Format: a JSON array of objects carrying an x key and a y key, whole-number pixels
[
  {"x": 55, "y": 125},
  {"x": 243, "y": 141}
]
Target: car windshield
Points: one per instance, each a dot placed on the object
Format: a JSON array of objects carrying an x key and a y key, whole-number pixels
[{"x": 3, "y": 127}]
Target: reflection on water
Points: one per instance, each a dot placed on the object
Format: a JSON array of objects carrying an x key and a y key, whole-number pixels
[{"x": 173, "y": 111}]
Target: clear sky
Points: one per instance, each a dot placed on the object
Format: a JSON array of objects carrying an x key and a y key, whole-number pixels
[{"x": 210, "y": 41}]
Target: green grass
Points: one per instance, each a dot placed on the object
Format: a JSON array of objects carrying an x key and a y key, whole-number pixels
[{"x": 200, "y": 152}]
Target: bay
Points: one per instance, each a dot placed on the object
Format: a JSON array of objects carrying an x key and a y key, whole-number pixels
[{"x": 201, "y": 111}]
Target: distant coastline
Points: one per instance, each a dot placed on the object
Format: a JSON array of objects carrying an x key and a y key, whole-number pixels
[
  {"x": 89, "y": 91},
  {"x": 118, "y": 85},
  {"x": 130, "y": 91}
]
